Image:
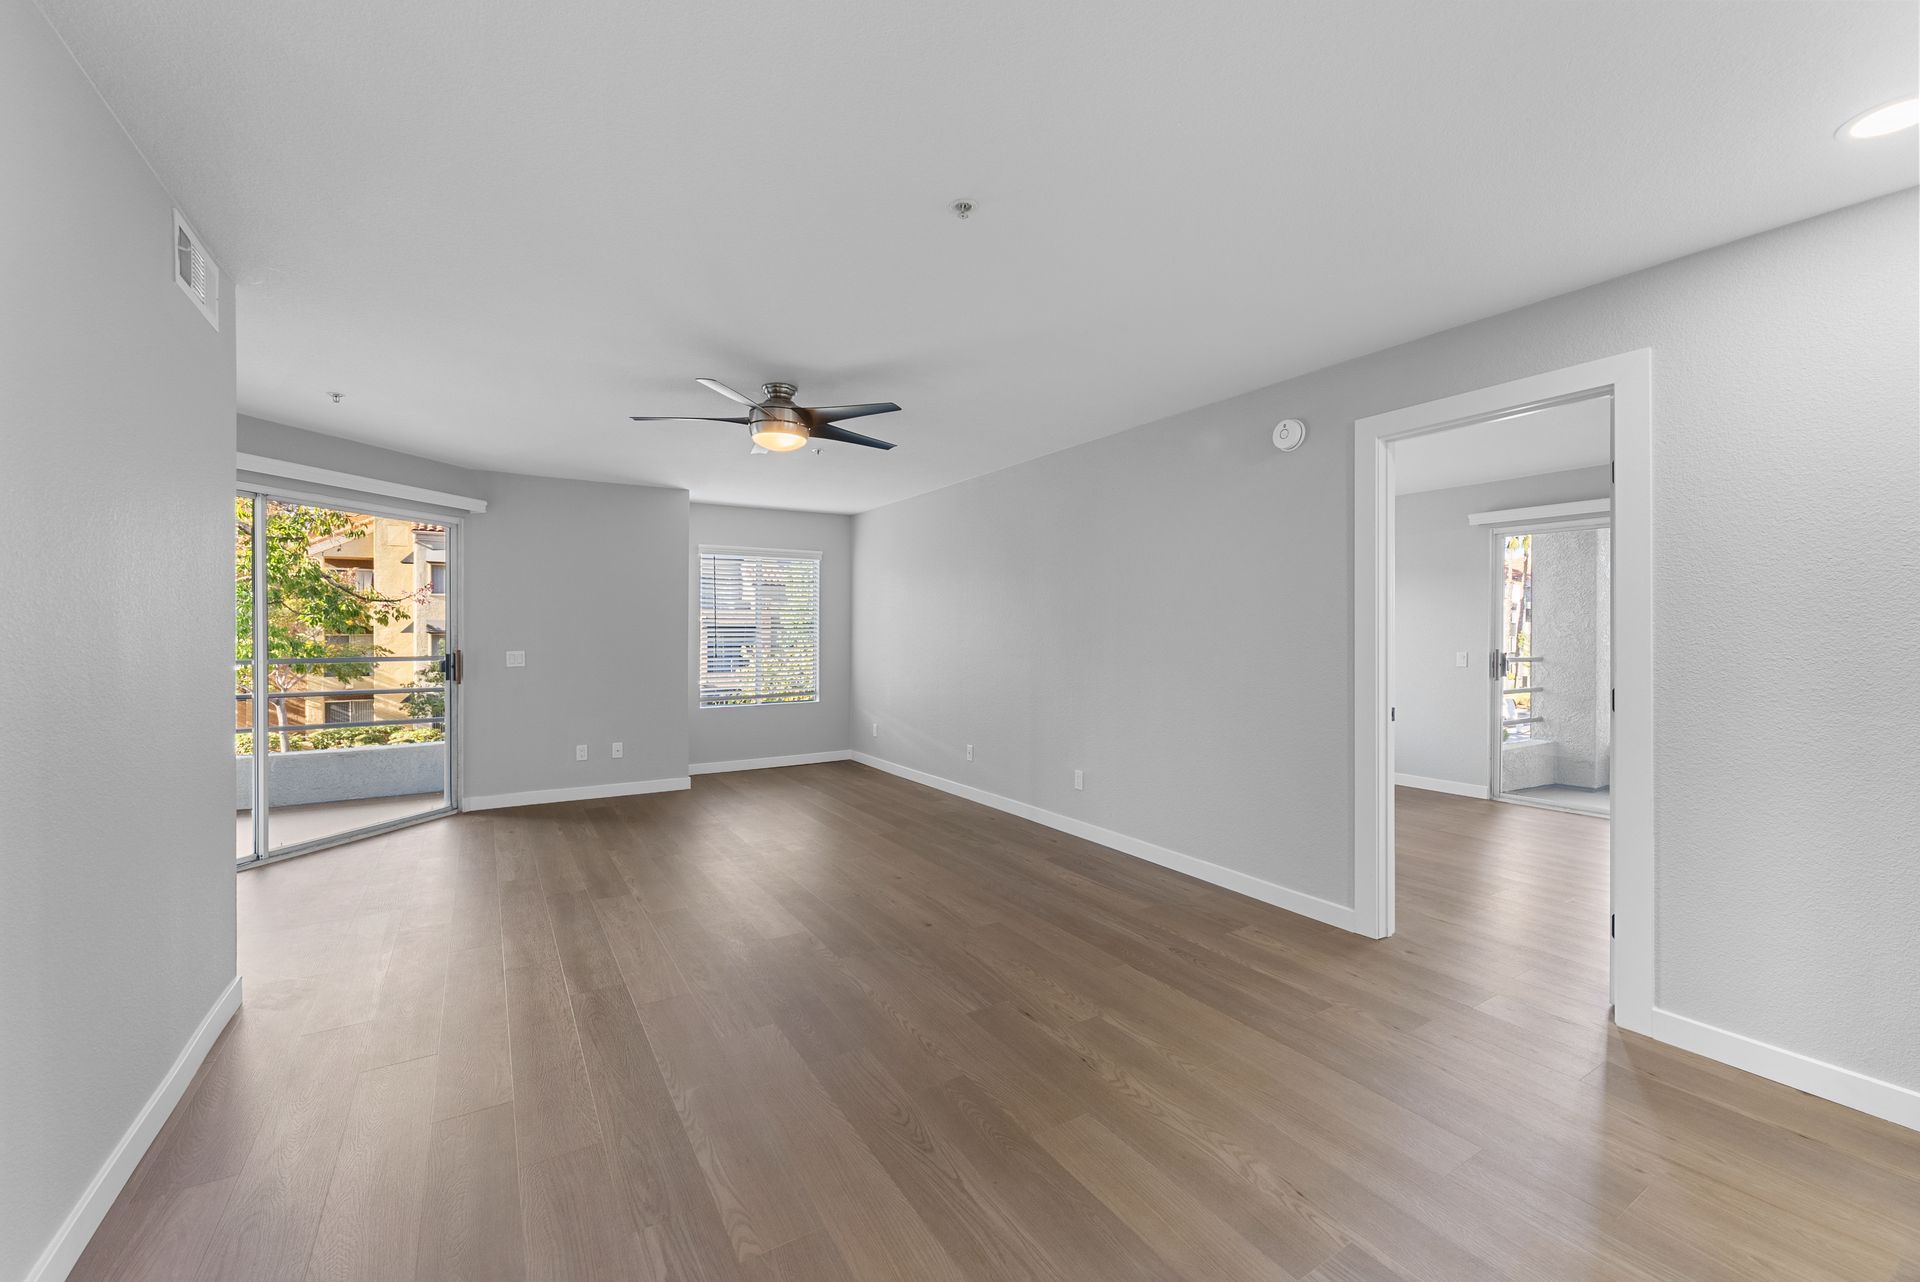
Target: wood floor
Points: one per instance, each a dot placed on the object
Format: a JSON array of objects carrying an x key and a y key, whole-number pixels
[{"x": 821, "y": 1024}]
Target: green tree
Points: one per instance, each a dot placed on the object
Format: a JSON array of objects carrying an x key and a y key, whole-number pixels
[{"x": 307, "y": 602}]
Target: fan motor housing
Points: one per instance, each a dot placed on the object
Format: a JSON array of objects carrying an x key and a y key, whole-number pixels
[{"x": 776, "y": 414}]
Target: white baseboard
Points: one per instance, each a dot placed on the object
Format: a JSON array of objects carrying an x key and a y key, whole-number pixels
[
  {"x": 64, "y": 1250},
  {"x": 769, "y": 763},
  {"x": 1266, "y": 892},
  {"x": 1896, "y": 1104},
  {"x": 1478, "y": 790},
  {"x": 586, "y": 792}
]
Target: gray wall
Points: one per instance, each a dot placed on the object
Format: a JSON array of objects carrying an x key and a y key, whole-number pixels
[
  {"x": 1443, "y": 571},
  {"x": 782, "y": 730},
  {"x": 116, "y": 864},
  {"x": 588, "y": 578},
  {"x": 1170, "y": 609},
  {"x": 591, "y": 581}
]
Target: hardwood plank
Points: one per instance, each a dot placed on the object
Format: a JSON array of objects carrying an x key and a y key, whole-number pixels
[
  {"x": 470, "y": 1223},
  {"x": 957, "y": 1203},
  {"x": 638, "y": 950},
  {"x": 475, "y": 1065},
  {"x": 162, "y": 1236},
  {"x": 574, "y": 1228},
  {"x": 474, "y": 915},
  {"x": 266, "y": 1231},
  {"x": 760, "y": 1197},
  {"x": 371, "y": 1222},
  {"x": 655, "y": 1174},
  {"x": 526, "y": 932},
  {"x": 553, "y": 1104},
  {"x": 406, "y": 1021},
  {"x": 585, "y": 958},
  {"x": 812, "y": 1258},
  {"x": 1175, "y": 1223},
  {"x": 872, "y": 1224},
  {"x": 349, "y": 993}
]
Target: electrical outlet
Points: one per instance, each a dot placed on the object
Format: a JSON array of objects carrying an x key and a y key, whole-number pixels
[
  {"x": 876, "y": 729},
  {"x": 619, "y": 751},
  {"x": 579, "y": 752},
  {"x": 969, "y": 752},
  {"x": 1079, "y": 781},
  {"x": 516, "y": 658}
]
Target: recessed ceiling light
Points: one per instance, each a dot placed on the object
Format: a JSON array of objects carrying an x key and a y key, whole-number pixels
[{"x": 1889, "y": 118}]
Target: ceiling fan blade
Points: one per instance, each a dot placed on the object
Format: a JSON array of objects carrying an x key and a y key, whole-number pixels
[
  {"x": 715, "y": 385},
  {"x": 682, "y": 418},
  {"x": 834, "y": 413},
  {"x": 829, "y": 432}
]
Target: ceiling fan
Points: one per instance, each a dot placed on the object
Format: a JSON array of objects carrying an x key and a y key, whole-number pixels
[{"x": 775, "y": 423}]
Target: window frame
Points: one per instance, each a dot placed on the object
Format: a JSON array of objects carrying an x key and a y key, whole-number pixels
[
  {"x": 356, "y": 702},
  {"x": 704, "y": 551}
]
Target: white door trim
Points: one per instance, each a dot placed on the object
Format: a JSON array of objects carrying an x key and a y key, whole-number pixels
[
  {"x": 1628, "y": 378},
  {"x": 1543, "y": 514}
]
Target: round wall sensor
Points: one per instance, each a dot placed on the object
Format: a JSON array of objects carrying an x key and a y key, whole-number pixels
[{"x": 1288, "y": 433}]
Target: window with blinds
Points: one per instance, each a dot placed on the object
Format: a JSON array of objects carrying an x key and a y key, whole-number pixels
[{"x": 759, "y": 627}]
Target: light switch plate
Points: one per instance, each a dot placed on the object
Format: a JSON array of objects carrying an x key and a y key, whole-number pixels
[
  {"x": 516, "y": 658},
  {"x": 1459, "y": 658}
]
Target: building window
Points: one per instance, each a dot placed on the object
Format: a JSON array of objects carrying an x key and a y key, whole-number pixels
[
  {"x": 349, "y": 710},
  {"x": 363, "y": 580},
  {"x": 437, "y": 578},
  {"x": 759, "y": 627}
]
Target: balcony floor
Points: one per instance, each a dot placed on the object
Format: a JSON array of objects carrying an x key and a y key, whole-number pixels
[{"x": 293, "y": 825}]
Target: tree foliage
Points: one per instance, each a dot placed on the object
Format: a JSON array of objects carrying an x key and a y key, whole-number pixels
[{"x": 308, "y": 602}]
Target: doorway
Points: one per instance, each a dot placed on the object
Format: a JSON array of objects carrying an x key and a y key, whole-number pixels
[
  {"x": 345, "y": 672},
  {"x": 1552, "y": 666},
  {"x": 1627, "y": 380}
]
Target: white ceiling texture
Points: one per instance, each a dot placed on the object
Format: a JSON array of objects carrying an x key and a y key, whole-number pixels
[{"x": 500, "y": 229}]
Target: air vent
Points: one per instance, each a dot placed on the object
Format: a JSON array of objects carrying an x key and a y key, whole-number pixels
[{"x": 197, "y": 275}]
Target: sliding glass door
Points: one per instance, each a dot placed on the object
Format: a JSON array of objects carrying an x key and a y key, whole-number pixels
[
  {"x": 345, "y": 673},
  {"x": 1553, "y": 673}
]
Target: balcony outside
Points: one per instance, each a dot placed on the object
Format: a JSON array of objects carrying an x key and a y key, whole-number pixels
[{"x": 355, "y": 696}]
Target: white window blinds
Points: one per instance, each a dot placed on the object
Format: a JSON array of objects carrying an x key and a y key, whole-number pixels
[{"x": 759, "y": 627}]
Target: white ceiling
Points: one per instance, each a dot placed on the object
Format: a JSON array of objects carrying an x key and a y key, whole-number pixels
[
  {"x": 1557, "y": 439},
  {"x": 500, "y": 229}
]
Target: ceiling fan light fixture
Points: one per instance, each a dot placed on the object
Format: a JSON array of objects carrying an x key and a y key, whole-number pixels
[
  {"x": 776, "y": 426},
  {"x": 778, "y": 436}
]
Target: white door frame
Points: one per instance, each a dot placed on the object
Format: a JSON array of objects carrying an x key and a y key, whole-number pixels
[{"x": 1628, "y": 378}]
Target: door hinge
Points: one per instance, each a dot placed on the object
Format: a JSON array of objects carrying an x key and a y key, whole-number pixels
[
  {"x": 1613, "y": 920},
  {"x": 1613, "y": 700},
  {"x": 450, "y": 666},
  {"x": 1392, "y": 714}
]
